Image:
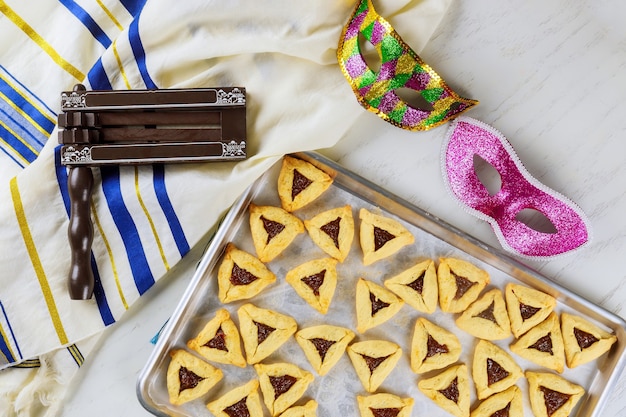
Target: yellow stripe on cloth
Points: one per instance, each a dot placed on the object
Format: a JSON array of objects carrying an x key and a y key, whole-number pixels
[
  {"x": 6, "y": 342},
  {"x": 120, "y": 65},
  {"x": 107, "y": 245},
  {"x": 110, "y": 15},
  {"x": 18, "y": 137},
  {"x": 33, "y": 103},
  {"x": 39, "y": 40},
  {"x": 76, "y": 354},
  {"x": 29, "y": 363},
  {"x": 152, "y": 226},
  {"x": 36, "y": 262}
]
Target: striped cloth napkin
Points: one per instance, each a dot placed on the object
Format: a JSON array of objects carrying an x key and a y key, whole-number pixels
[{"x": 146, "y": 218}]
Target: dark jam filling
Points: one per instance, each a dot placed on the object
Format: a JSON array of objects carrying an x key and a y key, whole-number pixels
[
  {"x": 503, "y": 412},
  {"x": 377, "y": 304},
  {"x": 218, "y": 341},
  {"x": 553, "y": 399},
  {"x": 385, "y": 412},
  {"x": 239, "y": 409},
  {"x": 381, "y": 237},
  {"x": 418, "y": 284},
  {"x": 373, "y": 363},
  {"x": 282, "y": 384},
  {"x": 188, "y": 379},
  {"x": 332, "y": 230},
  {"x": 300, "y": 182},
  {"x": 452, "y": 392},
  {"x": 544, "y": 344},
  {"x": 462, "y": 285},
  {"x": 240, "y": 276},
  {"x": 322, "y": 346},
  {"x": 527, "y": 311},
  {"x": 263, "y": 331},
  {"x": 434, "y": 347},
  {"x": 487, "y": 314},
  {"x": 495, "y": 372},
  {"x": 315, "y": 282},
  {"x": 272, "y": 228},
  {"x": 584, "y": 339}
]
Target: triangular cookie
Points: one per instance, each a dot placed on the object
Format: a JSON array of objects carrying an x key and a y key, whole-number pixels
[
  {"x": 333, "y": 231},
  {"x": 417, "y": 286},
  {"x": 543, "y": 344},
  {"x": 486, "y": 318},
  {"x": 460, "y": 284},
  {"x": 527, "y": 307},
  {"x": 381, "y": 236},
  {"x": 374, "y": 305},
  {"x": 583, "y": 340},
  {"x": 282, "y": 384},
  {"x": 241, "y": 275},
  {"x": 551, "y": 395},
  {"x": 273, "y": 229},
  {"x": 300, "y": 182},
  {"x": 219, "y": 341},
  {"x": 373, "y": 361},
  {"x": 189, "y": 377},
  {"x": 324, "y": 345},
  {"x": 493, "y": 369},
  {"x": 315, "y": 281},
  {"x": 263, "y": 331},
  {"x": 507, "y": 403},
  {"x": 450, "y": 390},
  {"x": 307, "y": 410},
  {"x": 432, "y": 347},
  {"x": 243, "y": 400},
  {"x": 383, "y": 404}
]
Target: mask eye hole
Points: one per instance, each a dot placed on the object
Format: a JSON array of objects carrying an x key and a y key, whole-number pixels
[
  {"x": 414, "y": 99},
  {"x": 488, "y": 175},
  {"x": 369, "y": 53},
  {"x": 536, "y": 220}
]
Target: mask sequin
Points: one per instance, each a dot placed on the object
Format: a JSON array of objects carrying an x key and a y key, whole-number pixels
[
  {"x": 519, "y": 190},
  {"x": 401, "y": 67}
]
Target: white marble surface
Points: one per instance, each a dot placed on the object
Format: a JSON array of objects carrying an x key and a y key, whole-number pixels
[{"x": 550, "y": 75}]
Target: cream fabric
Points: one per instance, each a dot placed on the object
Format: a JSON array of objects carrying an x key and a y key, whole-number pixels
[{"x": 146, "y": 219}]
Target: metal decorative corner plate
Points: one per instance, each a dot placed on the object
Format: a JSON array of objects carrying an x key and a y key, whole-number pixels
[
  {"x": 234, "y": 149},
  {"x": 73, "y": 100},
  {"x": 72, "y": 155},
  {"x": 235, "y": 96}
]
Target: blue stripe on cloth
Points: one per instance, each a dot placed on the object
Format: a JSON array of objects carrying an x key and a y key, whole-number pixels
[
  {"x": 17, "y": 97},
  {"x": 6, "y": 352},
  {"x": 4, "y": 344},
  {"x": 28, "y": 364},
  {"x": 139, "y": 53},
  {"x": 91, "y": 25},
  {"x": 14, "y": 100},
  {"x": 25, "y": 121},
  {"x": 128, "y": 230},
  {"x": 134, "y": 7},
  {"x": 24, "y": 129},
  {"x": 18, "y": 163},
  {"x": 98, "y": 78},
  {"x": 61, "y": 173},
  {"x": 76, "y": 354},
  {"x": 99, "y": 294},
  {"x": 17, "y": 145},
  {"x": 168, "y": 209}
]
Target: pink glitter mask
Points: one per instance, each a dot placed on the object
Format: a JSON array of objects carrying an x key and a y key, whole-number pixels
[{"x": 519, "y": 190}]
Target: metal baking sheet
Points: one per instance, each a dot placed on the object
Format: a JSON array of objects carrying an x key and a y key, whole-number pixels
[{"x": 336, "y": 392}]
